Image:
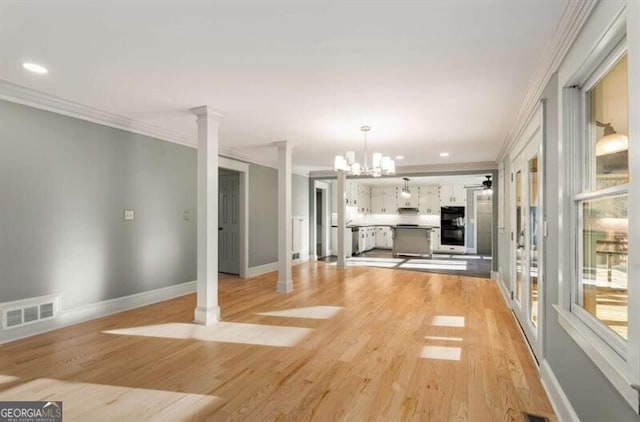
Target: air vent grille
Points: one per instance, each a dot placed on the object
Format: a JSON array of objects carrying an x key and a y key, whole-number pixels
[
  {"x": 28, "y": 311},
  {"x": 14, "y": 318},
  {"x": 46, "y": 310},
  {"x": 30, "y": 314}
]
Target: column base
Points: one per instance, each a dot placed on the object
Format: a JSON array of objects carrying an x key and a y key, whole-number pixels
[
  {"x": 204, "y": 316},
  {"x": 284, "y": 286}
]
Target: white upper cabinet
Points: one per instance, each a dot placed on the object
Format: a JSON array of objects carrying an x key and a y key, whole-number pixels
[
  {"x": 429, "y": 201},
  {"x": 383, "y": 200},
  {"x": 412, "y": 201},
  {"x": 364, "y": 199},
  {"x": 453, "y": 195}
]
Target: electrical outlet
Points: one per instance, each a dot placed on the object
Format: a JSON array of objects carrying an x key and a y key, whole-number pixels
[
  {"x": 129, "y": 215},
  {"x": 185, "y": 216}
]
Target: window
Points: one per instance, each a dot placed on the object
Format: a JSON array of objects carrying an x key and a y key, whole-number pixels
[
  {"x": 599, "y": 231},
  {"x": 601, "y": 293}
]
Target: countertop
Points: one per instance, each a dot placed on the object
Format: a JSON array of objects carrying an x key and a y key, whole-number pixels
[{"x": 393, "y": 226}]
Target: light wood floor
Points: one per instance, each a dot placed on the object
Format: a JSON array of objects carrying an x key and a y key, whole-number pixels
[{"x": 402, "y": 346}]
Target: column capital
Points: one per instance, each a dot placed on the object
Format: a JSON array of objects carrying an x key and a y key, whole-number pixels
[
  {"x": 206, "y": 112},
  {"x": 283, "y": 144}
]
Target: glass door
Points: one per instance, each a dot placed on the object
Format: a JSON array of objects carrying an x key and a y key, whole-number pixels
[{"x": 527, "y": 241}]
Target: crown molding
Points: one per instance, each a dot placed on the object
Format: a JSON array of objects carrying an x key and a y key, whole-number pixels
[
  {"x": 30, "y": 97},
  {"x": 40, "y": 100},
  {"x": 573, "y": 19}
]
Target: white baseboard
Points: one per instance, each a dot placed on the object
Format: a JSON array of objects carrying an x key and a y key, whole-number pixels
[
  {"x": 72, "y": 316},
  {"x": 303, "y": 258},
  {"x": 262, "y": 269},
  {"x": 506, "y": 295},
  {"x": 559, "y": 401}
]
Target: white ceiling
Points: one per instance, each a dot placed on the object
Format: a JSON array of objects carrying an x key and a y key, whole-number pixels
[{"x": 427, "y": 76}]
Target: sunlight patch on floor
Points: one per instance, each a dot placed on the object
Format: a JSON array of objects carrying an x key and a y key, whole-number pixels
[
  {"x": 223, "y": 332},
  {"x": 312, "y": 312},
  {"x": 434, "y": 338},
  {"x": 368, "y": 259},
  {"x": 447, "y": 321},
  {"x": 441, "y": 353},
  {"x": 429, "y": 266},
  {"x": 87, "y": 401},
  {"x": 359, "y": 263}
]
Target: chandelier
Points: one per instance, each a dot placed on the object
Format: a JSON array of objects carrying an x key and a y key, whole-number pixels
[{"x": 379, "y": 165}]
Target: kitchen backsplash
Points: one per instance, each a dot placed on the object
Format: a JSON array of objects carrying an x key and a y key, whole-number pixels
[{"x": 354, "y": 217}]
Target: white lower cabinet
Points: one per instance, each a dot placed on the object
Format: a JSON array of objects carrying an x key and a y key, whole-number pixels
[
  {"x": 383, "y": 237},
  {"x": 435, "y": 239}
]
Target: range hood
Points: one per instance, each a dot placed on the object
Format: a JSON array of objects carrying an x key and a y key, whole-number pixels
[{"x": 407, "y": 210}]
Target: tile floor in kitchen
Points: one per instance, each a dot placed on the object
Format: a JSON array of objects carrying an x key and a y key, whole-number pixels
[{"x": 442, "y": 263}]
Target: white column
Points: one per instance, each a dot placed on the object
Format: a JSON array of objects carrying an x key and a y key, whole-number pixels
[
  {"x": 342, "y": 222},
  {"x": 285, "y": 241},
  {"x": 207, "y": 310}
]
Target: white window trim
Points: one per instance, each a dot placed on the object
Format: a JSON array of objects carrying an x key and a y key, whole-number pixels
[{"x": 622, "y": 372}]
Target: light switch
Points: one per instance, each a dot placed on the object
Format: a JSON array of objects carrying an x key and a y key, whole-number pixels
[
  {"x": 129, "y": 215},
  {"x": 185, "y": 216}
]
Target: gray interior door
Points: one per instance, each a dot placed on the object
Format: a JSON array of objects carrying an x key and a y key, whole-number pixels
[{"x": 228, "y": 222}]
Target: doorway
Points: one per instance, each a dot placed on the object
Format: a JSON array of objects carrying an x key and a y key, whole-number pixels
[
  {"x": 526, "y": 244},
  {"x": 322, "y": 219},
  {"x": 228, "y": 221},
  {"x": 319, "y": 223}
]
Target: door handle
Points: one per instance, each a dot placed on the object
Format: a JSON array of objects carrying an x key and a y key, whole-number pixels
[{"x": 219, "y": 228}]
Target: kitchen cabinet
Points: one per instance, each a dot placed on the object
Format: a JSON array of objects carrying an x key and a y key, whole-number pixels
[
  {"x": 383, "y": 200},
  {"x": 351, "y": 192},
  {"x": 377, "y": 201},
  {"x": 452, "y": 195},
  {"x": 412, "y": 201},
  {"x": 435, "y": 239},
  {"x": 364, "y": 199},
  {"x": 383, "y": 238},
  {"x": 429, "y": 200}
]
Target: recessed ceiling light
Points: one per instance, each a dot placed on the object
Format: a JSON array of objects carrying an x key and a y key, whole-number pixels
[
  {"x": 399, "y": 157},
  {"x": 444, "y": 154},
  {"x": 35, "y": 68}
]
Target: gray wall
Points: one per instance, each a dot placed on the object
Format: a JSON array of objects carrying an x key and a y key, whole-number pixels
[
  {"x": 590, "y": 393},
  {"x": 300, "y": 193},
  {"x": 263, "y": 211},
  {"x": 64, "y": 185},
  {"x": 263, "y": 215}
]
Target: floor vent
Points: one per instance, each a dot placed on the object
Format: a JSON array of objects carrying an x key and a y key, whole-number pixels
[
  {"x": 28, "y": 311},
  {"x": 528, "y": 417}
]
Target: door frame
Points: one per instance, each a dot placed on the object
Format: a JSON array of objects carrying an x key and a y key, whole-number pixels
[
  {"x": 243, "y": 170},
  {"x": 326, "y": 211},
  {"x": 530, "y": 143}
]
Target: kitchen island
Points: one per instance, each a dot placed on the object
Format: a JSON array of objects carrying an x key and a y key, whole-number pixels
[{"x": 412, "y": 240}]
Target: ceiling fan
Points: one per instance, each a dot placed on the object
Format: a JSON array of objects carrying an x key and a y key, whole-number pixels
[{"x": 486, "y": 185}]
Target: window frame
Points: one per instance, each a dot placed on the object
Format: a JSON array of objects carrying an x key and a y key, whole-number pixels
[
  {"x": 582, "y": 70},
  {"x": 586, "y": 193}
]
